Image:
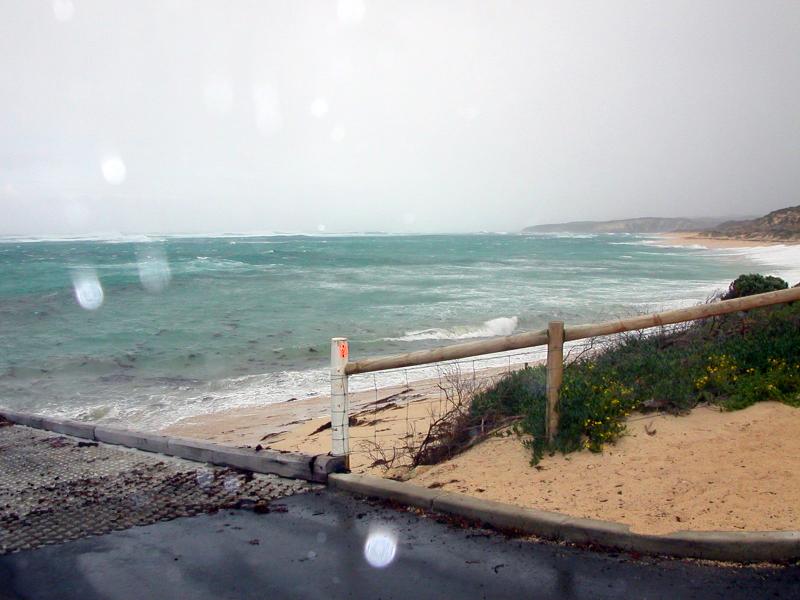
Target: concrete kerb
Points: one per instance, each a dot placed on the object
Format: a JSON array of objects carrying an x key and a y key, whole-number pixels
[
  {"x": 35, "y": 421},
  {"x": 739, "y": 546},
  {"x": 67, "y": 427},
  {"x": 385, "y": 489},
  {"x": 148, "y": 442},
  {"x": 285, "y": 464}
]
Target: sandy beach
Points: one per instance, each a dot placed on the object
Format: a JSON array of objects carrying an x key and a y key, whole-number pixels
[
  {"x": 708, "y": 470},
  {"x": 381, "y": 417},
  {"x": 690, "y": 238},
  {"x": 704, "y": 471}
]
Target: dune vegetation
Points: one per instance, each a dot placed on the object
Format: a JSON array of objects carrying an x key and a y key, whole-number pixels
[{"x": 732, "y": 361}]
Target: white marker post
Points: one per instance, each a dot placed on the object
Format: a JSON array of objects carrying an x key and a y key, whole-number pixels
[{"x": 340, "y": 435}]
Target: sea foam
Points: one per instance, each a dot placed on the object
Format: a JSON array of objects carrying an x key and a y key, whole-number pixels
[
  {"x": 783, "y": 259},
  {"x": 490, "y": 328}
]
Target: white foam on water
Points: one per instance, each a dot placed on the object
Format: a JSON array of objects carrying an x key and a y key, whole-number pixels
[
  {"x": 207, "y": 263},
  {"x": 783, "y": 259},
  {"x": 560, "y": 235},
  {"x": 660, "y": 242},
  {"x": 493, "y": 327},
  {"x": 108, "y": 238},
  {"x": 166, "y": 407}
]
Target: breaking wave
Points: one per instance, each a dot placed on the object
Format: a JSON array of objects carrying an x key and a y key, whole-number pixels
[{"x": 490, "y": 328}]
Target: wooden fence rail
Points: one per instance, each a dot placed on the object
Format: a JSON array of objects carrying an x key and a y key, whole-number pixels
[
  {"x": 579, "y": 332},
  {"x": 554, "y": 337}
]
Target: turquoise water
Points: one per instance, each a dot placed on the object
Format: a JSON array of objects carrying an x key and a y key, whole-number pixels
[{"x": 190, "y": 325}]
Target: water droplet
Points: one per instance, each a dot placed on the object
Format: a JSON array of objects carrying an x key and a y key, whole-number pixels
[
  {"x": 114, "y": 170},
  {"x": 88, "y": 291},
  {"x": 154, "y": 271},
  {"x": 380, "y": 549},
  {"x": 319, "y": 107},
  {"x": 204, "y": 478}
]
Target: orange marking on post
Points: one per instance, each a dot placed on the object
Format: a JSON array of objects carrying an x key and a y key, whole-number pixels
[{"x": 343, "y": 350}]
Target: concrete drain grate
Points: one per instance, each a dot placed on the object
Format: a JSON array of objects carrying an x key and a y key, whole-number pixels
[{"x": 54, "y": 489}]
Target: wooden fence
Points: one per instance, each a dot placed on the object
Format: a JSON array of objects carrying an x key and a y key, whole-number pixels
[{"x": 554, "y": 337}]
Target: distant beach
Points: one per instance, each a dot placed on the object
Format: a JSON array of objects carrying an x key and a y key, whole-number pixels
[{"x": 690, "y": 238}]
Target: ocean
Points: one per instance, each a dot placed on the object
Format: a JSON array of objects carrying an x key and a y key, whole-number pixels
[{"x": 145, "y": 331}]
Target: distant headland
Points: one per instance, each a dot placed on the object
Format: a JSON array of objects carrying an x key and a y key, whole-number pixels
[
  {"x": 638, "y": 225},
  {"x": 781, "y": 225}
]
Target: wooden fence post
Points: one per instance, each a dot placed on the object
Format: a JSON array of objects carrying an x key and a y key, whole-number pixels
[
  {"x": 340, "y": 434},
  {"x": 555, "y": 373}
]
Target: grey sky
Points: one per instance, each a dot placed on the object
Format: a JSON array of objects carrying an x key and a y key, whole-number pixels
[{"x": 395, "y": 116}]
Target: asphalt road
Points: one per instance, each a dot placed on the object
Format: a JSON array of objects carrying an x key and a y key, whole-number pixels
[{"x": 320, "y": 544}]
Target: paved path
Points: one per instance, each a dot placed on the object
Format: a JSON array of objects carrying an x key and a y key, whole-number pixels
[
  {"x": 55, "y": 488},
  {"x": 120, "y": 509},
  {"x": 317, "y": 549}
]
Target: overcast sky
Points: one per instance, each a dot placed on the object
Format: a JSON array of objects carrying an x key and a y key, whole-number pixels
[{"x": 200, "y": 116}]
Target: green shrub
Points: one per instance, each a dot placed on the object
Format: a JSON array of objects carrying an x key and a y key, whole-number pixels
[
  {"x": 593, "y": 408},
  {"x": 747, "y": 285},
  {"x": 733, "y": 361},
  {"x": 511, "y": 395},
  {"x": 734, "y": 387}
]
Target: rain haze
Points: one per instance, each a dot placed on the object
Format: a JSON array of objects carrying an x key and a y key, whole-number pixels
[
  {"x": 199, "y": 116},
  {"x": 259, "y": 256}
]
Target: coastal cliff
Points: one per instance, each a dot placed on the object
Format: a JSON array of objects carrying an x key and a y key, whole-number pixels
[{"x": 778, "y": 226}]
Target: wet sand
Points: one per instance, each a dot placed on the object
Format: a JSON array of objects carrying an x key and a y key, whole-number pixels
[{"x": 383, "y": 417}]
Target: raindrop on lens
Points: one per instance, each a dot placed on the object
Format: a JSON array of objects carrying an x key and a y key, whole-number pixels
[
  {"x": 204, "y": 478},
  {"x": 319, "y": 108},
  {"x": 380, "y": 548},
  {"x": 88, "y": 291},
  {"x": 114, "y": 170},
  {"x": 154, "y": 271}
]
